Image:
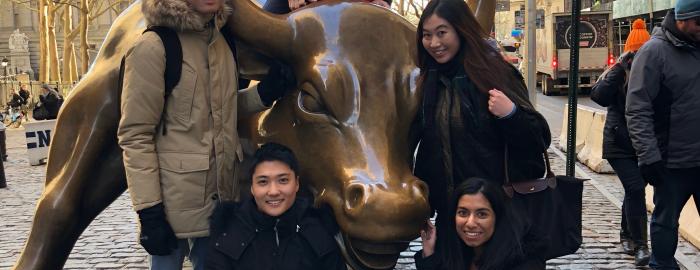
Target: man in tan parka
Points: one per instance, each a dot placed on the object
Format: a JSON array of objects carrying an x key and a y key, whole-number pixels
[{"x": 175, "y": 179}]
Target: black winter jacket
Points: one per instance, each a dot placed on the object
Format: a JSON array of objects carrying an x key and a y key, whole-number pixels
[
  {"x": 477, "y": 147},
  {"x": 243, "y": 238},
  {"x": 51, "y": 102},
  {"x": 611, "y": 92},
  {"x": 282, "y": 6},
  {"x": 433, "y": 263},
  {"x": 663, "y": 99}
]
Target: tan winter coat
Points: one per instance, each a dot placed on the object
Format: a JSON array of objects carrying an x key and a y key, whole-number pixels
[{"x": 196, "y": 161}]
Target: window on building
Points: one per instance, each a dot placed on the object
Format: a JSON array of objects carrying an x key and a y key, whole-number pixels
[
  {"x": 502, "y": 6},
  {"x": 539, "y": 21}
]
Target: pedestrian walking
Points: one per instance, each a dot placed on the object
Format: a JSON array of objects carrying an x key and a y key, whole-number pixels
[
  {"x": 181, "y": 154},
  {"x": 610, "y": 91},
  {"x": 663, "y": 118},
  {"x": 3, "y": 142},
  {"x": 275, "y": 229}
]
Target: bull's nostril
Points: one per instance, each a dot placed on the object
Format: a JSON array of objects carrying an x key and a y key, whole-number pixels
[
  {"x": 354, "y": 196},
  {"x": 421, "y": 188}
]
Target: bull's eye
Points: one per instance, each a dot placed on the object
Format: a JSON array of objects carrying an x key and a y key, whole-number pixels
[{"x": 310, "y": 104}]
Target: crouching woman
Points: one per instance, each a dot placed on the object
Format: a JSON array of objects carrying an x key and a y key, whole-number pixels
[
  {"x": 484, "y": 234},
  {"x": 274, "y": 229}
]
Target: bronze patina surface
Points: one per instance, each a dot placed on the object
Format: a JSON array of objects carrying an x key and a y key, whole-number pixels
[{"x": 349, "y": 122}]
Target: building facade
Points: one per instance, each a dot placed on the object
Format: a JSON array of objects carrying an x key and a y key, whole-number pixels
[
  {"x": 17, "y": 16},
  {"x": 625, "y": 12}
]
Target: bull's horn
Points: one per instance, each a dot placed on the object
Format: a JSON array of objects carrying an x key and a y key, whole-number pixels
[
  {"x": 484, "y": 11},
  {"x": 267, "y": 32}
]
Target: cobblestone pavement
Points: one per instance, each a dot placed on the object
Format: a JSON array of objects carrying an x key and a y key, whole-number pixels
[{"x": 110, "y": 241}]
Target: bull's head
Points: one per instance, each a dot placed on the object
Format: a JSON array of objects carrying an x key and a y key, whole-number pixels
[
  {"x": 349, "y": 122},
  {"x": 350, "y": 118}
]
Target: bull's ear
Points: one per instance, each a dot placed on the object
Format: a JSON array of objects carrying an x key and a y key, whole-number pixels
[{"x": 251, "y": 64}]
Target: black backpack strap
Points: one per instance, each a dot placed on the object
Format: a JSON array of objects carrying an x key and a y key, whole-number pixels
[
  {"x": 242, "y": 83},
  {"x": 173, "y": 62},
  {"x": 120, "y": 84}
]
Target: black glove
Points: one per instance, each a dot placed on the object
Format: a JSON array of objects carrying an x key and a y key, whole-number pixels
[
  {"x": 625, "y": 60},
  {"x": 278, "y": 81},
  {"x": 157, "y": 237},
  {"x": 653, "y": 173}
]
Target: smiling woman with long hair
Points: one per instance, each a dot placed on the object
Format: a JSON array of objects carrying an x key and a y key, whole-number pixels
[
  {"x": 483, "y": 233},
  {"x": 475, "y": 106}
]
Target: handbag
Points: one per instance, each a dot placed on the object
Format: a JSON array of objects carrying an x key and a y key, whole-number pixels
[
  {"x": 40, "y": 113},
  {"x": 553, "y": 205}
]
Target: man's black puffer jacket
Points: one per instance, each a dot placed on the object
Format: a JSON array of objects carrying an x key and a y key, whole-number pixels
[{"x": 242, "y": 237}]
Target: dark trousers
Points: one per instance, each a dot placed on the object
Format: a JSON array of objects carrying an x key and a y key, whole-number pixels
[
  {"x": 670, "y": 195},
  {"x": 633, "y": 206}
]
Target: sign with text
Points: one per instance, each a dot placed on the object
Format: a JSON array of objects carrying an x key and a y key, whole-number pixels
[{"x": 38, "y": 134}]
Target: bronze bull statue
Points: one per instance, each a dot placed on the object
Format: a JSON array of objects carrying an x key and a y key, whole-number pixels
[{"x": 349, "y": 122}]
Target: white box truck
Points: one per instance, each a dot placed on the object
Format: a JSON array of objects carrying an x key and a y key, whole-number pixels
[{"x": 553, "y": 49}]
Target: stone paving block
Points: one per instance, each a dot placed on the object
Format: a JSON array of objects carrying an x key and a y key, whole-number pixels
[
  {"x": 110, "y": 242},
  {"x": 109, "y": 266}
]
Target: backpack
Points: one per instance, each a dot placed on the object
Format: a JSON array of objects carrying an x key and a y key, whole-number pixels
[{"x": 173, "y": 62}]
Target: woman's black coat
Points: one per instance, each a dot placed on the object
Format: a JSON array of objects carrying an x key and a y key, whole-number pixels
[
  {"x": 433, "y": 263},
  {"x": 479, "y": 152},
  {"x": 242, "y": 237},
  {"x": 611, "y": 92},
  {"x": 50, "y": 101}
]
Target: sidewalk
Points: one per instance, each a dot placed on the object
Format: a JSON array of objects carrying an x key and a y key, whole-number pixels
[{"x": 110, "y": 241}]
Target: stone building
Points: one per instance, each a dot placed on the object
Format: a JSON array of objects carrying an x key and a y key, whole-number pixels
[{"x": 14, "y": 16}]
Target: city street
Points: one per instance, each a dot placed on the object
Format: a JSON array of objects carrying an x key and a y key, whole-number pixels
[{"x": 110, "y": 241}]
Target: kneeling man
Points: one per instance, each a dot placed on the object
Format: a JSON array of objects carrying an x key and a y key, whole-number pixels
[{"x": 274, "y": 229}]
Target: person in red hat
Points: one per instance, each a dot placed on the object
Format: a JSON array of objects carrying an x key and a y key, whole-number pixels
[{"x": 610, "y": 91}]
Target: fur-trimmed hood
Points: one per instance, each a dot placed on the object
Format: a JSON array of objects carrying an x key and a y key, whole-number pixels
[{"x": 179, "y": 15}]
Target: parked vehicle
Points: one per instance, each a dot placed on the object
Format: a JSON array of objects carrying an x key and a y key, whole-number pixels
[
  {"x": 509, "y": 49},
  {"x": 554, "y": 49}
]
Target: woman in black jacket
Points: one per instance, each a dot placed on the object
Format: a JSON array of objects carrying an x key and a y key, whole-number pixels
[
  {"x": 49, "y": 102},
  {"x": 482, "y": 234},
  {"x": 474, "y": 105},
  {"x": 274, "y": 229},
  {"x": 611, "y": 91}
]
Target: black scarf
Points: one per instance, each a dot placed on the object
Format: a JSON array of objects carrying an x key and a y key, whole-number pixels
[{"x": 431, "y": 87}]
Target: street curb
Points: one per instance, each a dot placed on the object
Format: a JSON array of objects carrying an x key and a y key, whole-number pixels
[{"x": 682, "y": 259}]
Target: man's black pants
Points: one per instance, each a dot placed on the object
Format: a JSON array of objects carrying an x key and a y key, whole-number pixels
[{"x": 670, "y": 195}]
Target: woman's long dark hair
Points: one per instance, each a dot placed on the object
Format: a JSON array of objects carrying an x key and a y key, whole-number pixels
[
  {"x": 484, "y": 66},
  {"x": 502, "y": 249}
]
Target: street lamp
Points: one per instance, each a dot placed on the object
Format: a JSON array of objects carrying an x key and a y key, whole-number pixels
[{"x": 4, "y": 63}]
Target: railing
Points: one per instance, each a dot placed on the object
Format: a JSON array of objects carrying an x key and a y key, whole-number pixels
[{"x": 34, "y": 87}]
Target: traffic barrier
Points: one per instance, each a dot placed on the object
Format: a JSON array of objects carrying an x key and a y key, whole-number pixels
[
  {"x": 689, "y": 221},
  {"x": 592, "y": 152},
  {"x": 38, "y": 135},
  {"x": 589, "y": 137},
  {"x": 583, "y": 124}
]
